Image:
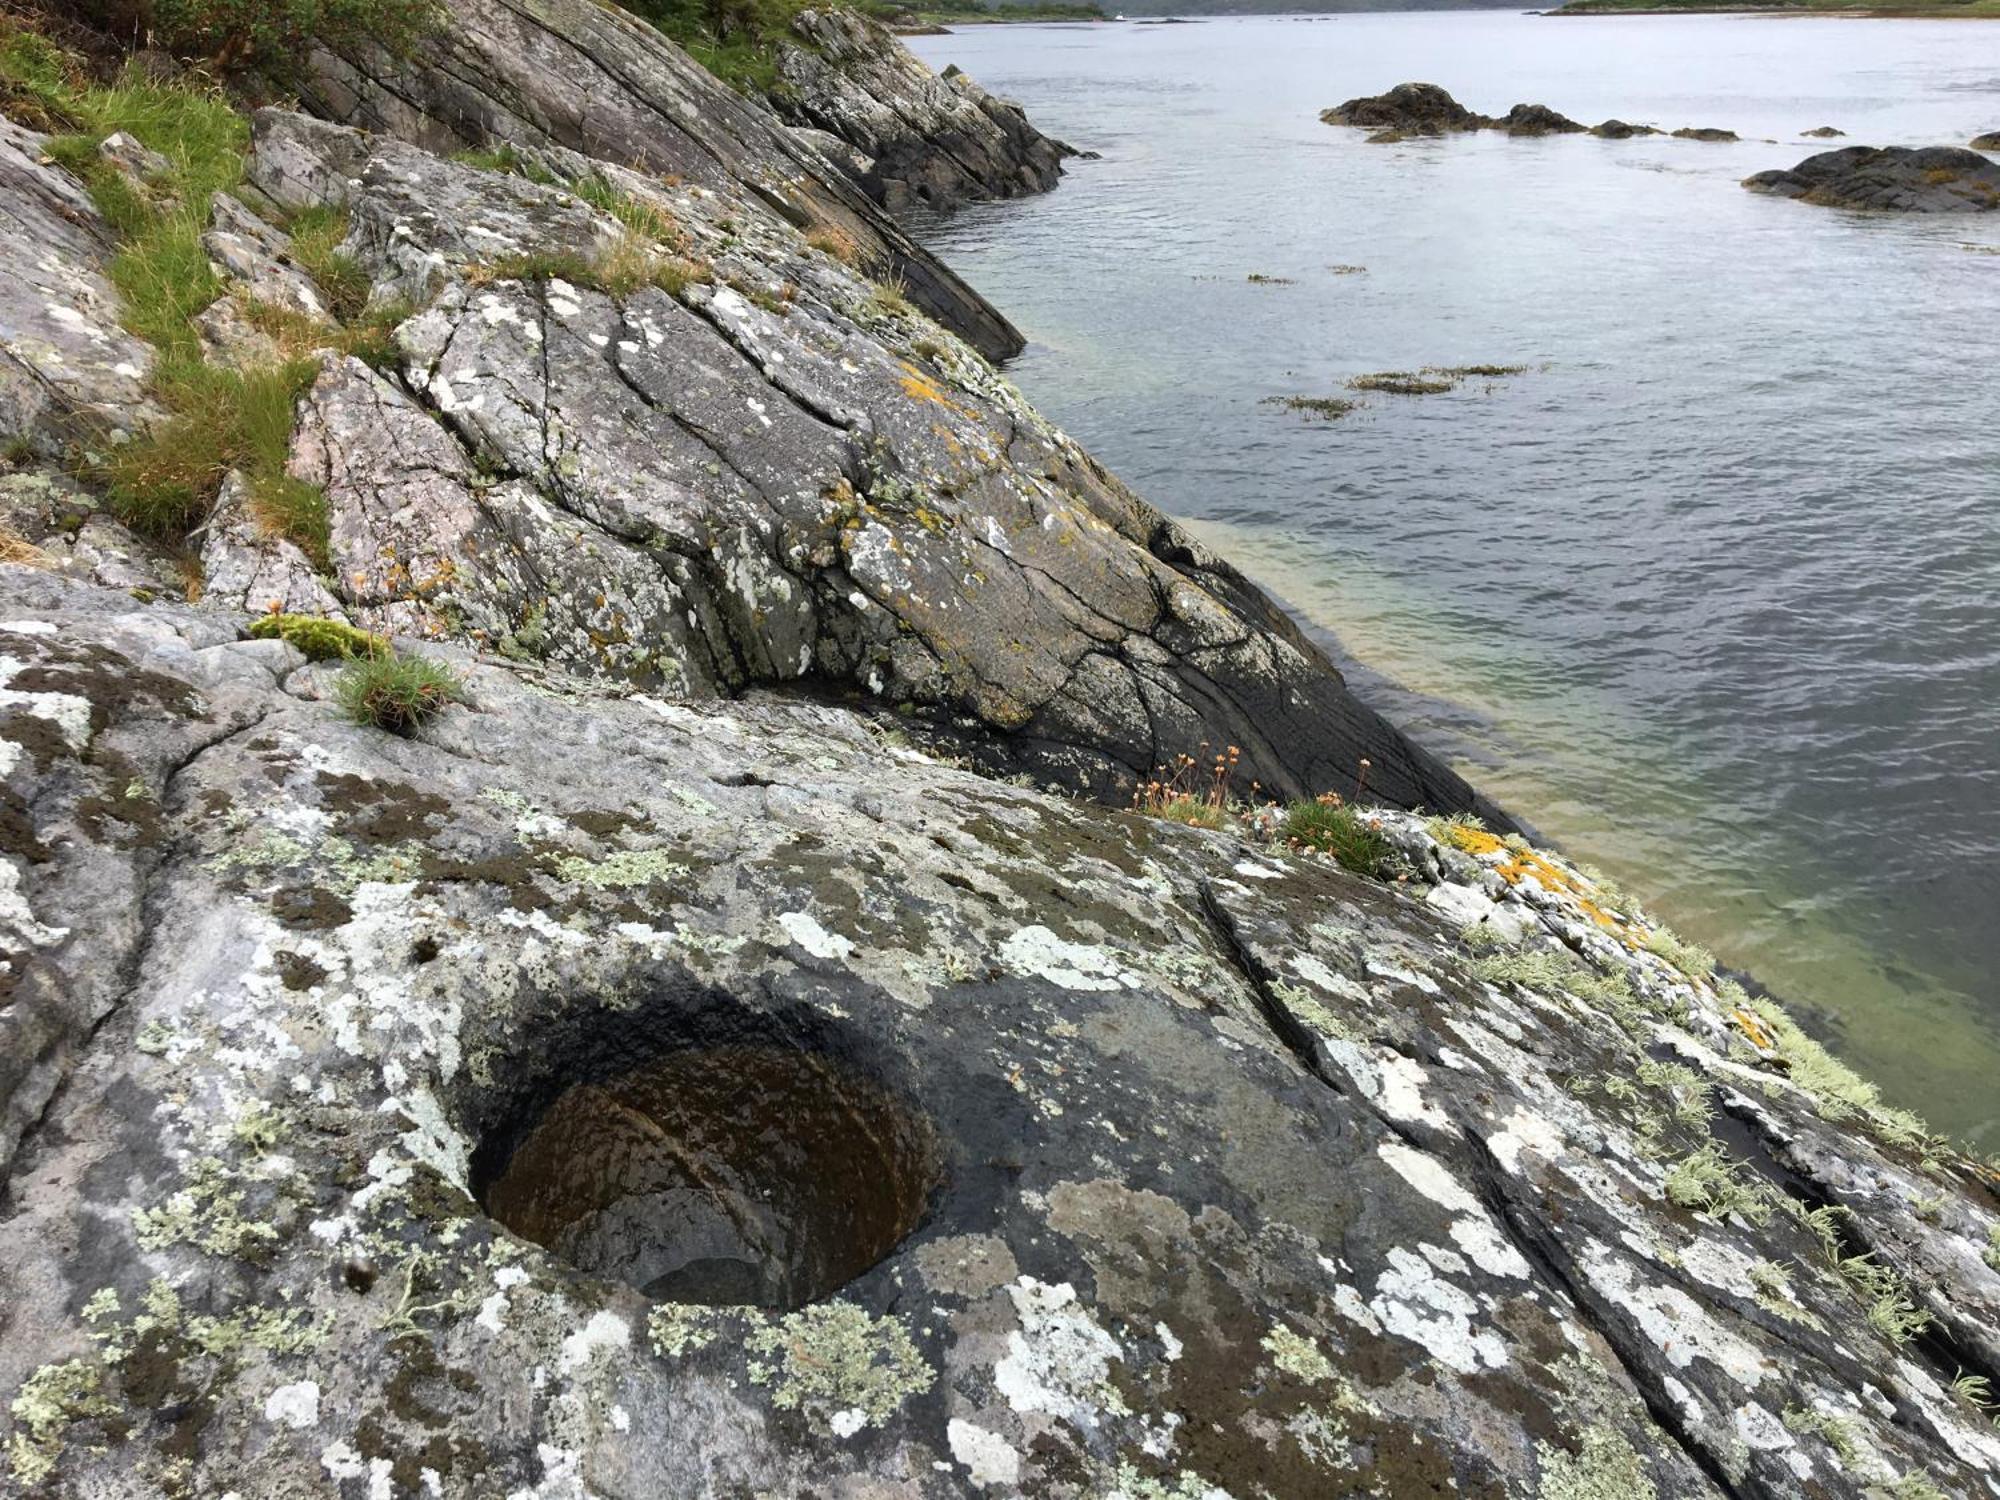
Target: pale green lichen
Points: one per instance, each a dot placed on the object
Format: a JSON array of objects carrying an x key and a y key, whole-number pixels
[
  {"x": 1550, "y": 972},
  {"x": 1130, "y": 1484},
  {"x": 1297, "y": 1355},
  {"x": 1708, "y": 1181},
  {"x": 1696, "y": 963},
  {"x": 1687, "y": 1087},
  {"x": 619, "y": 871},
  {"x": 1310, "y": 1012},
  {"x": 1606, "y": 1468},
  {"x": 1892, "y": 1312},
  {"x": 1991, "y": 1255},
  {"x": 1772, "y": 1287},
  {"x": 337, "y": 867},
  {"x": 48, "y": 1403},
  {"x": 1838, "y": 1433},
  {"x": 208, "y": 1213},
  {"x": 677, "y": 1327},
  {"x": 837, "y": 1358}
]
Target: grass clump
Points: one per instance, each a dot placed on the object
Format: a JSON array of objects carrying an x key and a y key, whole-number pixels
[
  {"x": 399, "y": 694},
  {"x": 830, "y": 239},
  {"x": 888, "y": 299},
  {"x": 1186, "y": 793},
  {"x": 1327, "y": 408},
  {"x": 319, "y": 638},
  {"x": 317, "y": 234},
  {"x": 1331, "y": 827},
  {"x": 1710, "y": 1182}
]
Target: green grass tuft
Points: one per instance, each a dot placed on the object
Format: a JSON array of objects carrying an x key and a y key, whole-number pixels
[
  {"x": 1341, "y": 831},
  {"x": 397, "y": 693}
]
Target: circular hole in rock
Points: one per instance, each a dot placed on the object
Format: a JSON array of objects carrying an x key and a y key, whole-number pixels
[{"x": 753, "y": 1170}]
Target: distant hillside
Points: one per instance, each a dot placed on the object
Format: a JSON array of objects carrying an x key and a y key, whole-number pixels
[{"x": 1150, "y": 9}]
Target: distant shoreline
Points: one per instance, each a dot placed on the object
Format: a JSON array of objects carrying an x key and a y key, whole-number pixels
[{"x": 1942, "y": 12}]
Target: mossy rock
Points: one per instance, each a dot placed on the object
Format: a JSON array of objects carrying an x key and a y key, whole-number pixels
[{"x": 321, "y": 639}]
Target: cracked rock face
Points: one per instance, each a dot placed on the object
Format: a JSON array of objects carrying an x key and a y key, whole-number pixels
[
  {"x": 1241, "y": 1176},
  {"x": 779, "y": 475},
  {"x": 67, "y": 369},
  {"x": 928, "y": 140},
  {"x": 1925, "y": 180},
  {"x": 588, "y": 77}
]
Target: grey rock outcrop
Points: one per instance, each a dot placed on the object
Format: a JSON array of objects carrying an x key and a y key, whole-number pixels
[
  {"x": 928, "y": 140},
  {"x": 780, "y": 475},
  {"x": 1537, "y": 119},
  {"x": 1179, "y": 1163},
  {"x": 1900, "y": 179},
  {"x": 68, "y": 371},
  {"x": 591, "y": 78}
]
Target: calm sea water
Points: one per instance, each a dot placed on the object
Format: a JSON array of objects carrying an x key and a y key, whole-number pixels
[{"x": 1711, "y": 593}]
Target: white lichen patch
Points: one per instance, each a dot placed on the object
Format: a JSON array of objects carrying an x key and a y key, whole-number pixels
[
  {"x": 295, "y": 1405},
  {"x": 988, "y": 1457},
  {"x": 804, "y": 929},
  {"x": 1414, "y": 1302},
  {"x": 1059, "y": 1360},
  {"x": 1679, "y": 1327},
  {"x": 1038, "y": 953}
]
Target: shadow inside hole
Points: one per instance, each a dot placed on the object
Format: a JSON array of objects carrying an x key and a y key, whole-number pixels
[{"x": 749, "y": 1163}]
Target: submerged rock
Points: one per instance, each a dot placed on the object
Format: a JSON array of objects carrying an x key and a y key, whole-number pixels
[
  {"x": 929, "y": 140},
  {"x": 480, "y": 1113},
  {"x": 1930, "y": 179}
]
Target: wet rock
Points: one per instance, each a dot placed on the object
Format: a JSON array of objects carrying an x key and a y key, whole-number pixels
[
  {"x": 1536, "y": 119},
  {"x": 1703, "y": 133},
  {"x": 1988, "y": 142},
  {"x": 929, "y": 140},
  {"x": 1823, "y": 132},
  {"x": 1409, "y": 108},
  {"x": 1619, "y": 130},
  {"x": 1199, "y": 1165},
  {"x": 1930, "y": 179},
  {"x": 591, "y": 78},
  {"x": 67, "y": 369}
]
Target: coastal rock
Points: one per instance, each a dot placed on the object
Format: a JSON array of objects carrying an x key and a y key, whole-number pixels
[
  {"x": 930, "y": 140},
  {"x": 1410, "y": 108},
  {"x": 1703, "y": 133},
  {"x": 1988, "y": 142},
  {"x": 594, "y": 79},
  {"x": 1824, "y": 133},
  {"x": 1901, "y": 179},
  {"x": 1619, "y": 130},
  {"x": 1536, "y": 119},
  {"x": 773, "y": 473},
  {"x": 1009, "y": 1146}
]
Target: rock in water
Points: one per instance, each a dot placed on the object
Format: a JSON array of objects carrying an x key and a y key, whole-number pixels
[
  {"x": 1703, "y": 133},
  {"x": 1988, "y": 142},
  {"x": 1536, "y": 119},
  {"x": 933, "y": 141},
  {"x": 1924, "y": 180},
  {"x": 1823, "y": 133},
  {"x": 1412, "y": 108},
  {"x": 601, "y": 1095},
  {"x": 1619, "y": 130}
]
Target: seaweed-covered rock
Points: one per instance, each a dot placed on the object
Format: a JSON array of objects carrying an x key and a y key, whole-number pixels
[
  {"x": 1704, "y": 133},
  {"x": 1924, "y": 180},
  {"x": 1412, "y": 108},
  {"x": 602, "y": 1095},
  {"x": 930, "y": 140},
  {"x": 1536, "y": 119},
  {"x": 1620, "y": 130}
]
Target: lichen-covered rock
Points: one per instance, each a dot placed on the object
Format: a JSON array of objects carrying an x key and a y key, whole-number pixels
[
  {"x": 592, "y": 78},
  {"x": 766, "y": 469},
  {"x": 1901, "y": 179},
  {"x": 1234, "y": 1174},
  {"x": 929, "y": 140},
  {"x": 68, "y": 372}
]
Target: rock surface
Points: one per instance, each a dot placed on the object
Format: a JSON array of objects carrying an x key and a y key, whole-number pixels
[
  {"x": 1415, "y": 108},
  {"x": 928, "y": 140},
  {"x": 1923, "y": 180},
  {"x": 591, "y": 78},
  {"x": 1239, "y": 1175},
  {"x": 778, "y": 476},
  {"x": 1988, "y": 142}
]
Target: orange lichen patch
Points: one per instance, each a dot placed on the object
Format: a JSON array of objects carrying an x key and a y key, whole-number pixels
[
  {"x": 920, "y": 387},
  {"x": 1516, "y": 866},
  {"x": 1759, "y": 1034}
]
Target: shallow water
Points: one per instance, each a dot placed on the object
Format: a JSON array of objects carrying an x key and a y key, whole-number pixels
[{"x": 1711, "y": 592}]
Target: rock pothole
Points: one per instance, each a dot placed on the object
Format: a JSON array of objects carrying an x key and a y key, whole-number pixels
[{"x": 736, "y": 1163}]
